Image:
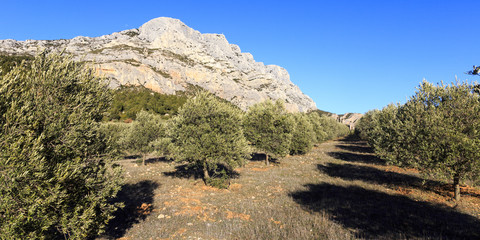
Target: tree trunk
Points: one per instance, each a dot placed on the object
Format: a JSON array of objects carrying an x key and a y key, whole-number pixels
[
  {"x": 143, "y": 159},
  {"x": 206, "y": 176},
  {"x": 266, "y": 159},
  {"x": 456, "y": 185}
]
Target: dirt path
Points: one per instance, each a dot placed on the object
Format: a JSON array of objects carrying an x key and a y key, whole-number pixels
[{"x": 340, "y": 190}]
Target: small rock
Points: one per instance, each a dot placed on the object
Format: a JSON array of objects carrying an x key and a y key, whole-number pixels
[
  {"x": 161, "y": 216},
  {"x": 189, "y": 224}
]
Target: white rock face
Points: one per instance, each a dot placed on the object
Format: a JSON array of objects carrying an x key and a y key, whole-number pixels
[
  {"x": 167, "y": 56},
  {"x": 349, "y": 119}
]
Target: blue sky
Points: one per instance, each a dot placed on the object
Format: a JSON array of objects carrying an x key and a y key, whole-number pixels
[{"x": 348, "y": 56}]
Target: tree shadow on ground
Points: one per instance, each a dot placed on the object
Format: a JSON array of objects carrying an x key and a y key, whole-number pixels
[
  {"x": 192, "y": 171},
  {"x": 352, "y": 138},
  {"x": 373, "y": 175},
  {"x": 157, "y": 159},
  {"x": 138, "y": 199},
  {"x": 355, "y": 157},
  {"x": 377, "y": 215},
  {"x": 257, "y": 157},
  {"x": 138, "y": 159},
  {"x": 355, "y": 148}
]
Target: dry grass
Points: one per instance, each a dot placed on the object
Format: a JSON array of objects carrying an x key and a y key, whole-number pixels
[{"x": 338, "y": 191}]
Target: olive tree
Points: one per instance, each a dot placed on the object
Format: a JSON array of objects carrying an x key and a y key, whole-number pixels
[
  {"x": 207, "y": 132},
  {"x": 437, "y": 131},
  {"x": 319, "y": 132},
  {"x": 268, "y": 127},
  {"x": 303, "y": 135},
  {"x": 446, "y": 121},
  {"x": 55, "y": 172},
  {"x": 141, "y": 134}
]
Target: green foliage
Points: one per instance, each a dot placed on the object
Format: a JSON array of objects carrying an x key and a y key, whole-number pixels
[
  {"x": 55, "y": 168},
  {"x": 113, "y": 131},
  {"x": 437, "y": 131},
  {"x": 332, "y": 128},
  {"x": 7, "y": 63},
  {"x": 130, "y": 100},
  {"x": 319, "y": 132},
  {"x": 303, "y": 135},
  {"x": 268, "y": 127},
  {"x": 220, "y": 179},
  {"x": 139, "y": 136},
  {"x": 207, "y": 133}
]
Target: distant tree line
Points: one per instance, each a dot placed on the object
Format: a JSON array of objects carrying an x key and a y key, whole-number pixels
[
  {"x": 437, "y": 132},
  {"x": 214, "y": 136},
  {"x": 130, "y": 100}
]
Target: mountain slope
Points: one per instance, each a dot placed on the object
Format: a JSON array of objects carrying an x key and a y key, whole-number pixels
[{"x": 167, "y": 56}]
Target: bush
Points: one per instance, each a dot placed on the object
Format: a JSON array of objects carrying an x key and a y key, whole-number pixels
[{"x": 55, "y": 168}]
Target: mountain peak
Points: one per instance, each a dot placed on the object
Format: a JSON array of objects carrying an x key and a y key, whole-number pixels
[{"x": 167, "y": 56}]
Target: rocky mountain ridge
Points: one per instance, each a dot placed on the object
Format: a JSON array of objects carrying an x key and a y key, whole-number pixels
[{"x": 167, "y": 56}]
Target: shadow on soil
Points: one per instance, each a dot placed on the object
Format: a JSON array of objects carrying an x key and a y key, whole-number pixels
[
  {"x": 373, "y": 175},
  {"x": 189, "y": 171},
  {"x": 356, "y": 157},
  {"x": 138, "y": 199},
  {"x": 376, "y": 215},
  {"x": 258, "y": 157},
  {"x": 356, "y": 151},
  {"x": 355, "y": 148}
]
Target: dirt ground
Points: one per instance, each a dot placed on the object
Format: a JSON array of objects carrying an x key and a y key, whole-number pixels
[{"x": 339, "y": 190}]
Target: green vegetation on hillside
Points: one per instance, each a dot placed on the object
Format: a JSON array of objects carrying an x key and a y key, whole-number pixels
[{"x": 130, "y": 100}]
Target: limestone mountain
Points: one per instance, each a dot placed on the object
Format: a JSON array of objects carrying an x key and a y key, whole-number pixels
[{"x": 167, "y": 56}]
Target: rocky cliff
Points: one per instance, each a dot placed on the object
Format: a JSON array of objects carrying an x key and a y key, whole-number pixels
[
  {"x": 349, "y": 119},
  {"x": 167, "y": 56}
]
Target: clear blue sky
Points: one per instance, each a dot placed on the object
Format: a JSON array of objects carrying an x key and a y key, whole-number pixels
[{"x": 348, "y": 56}]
